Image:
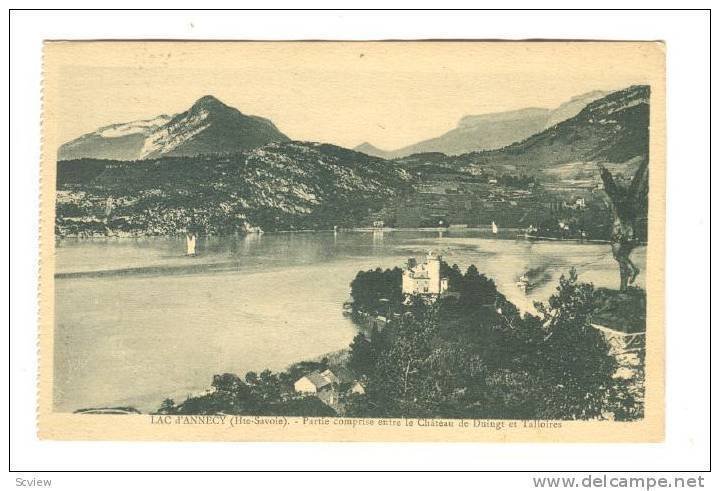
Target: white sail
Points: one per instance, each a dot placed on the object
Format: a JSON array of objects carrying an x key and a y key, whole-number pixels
[
  {"x": 191, "y": 244},
  {"x": 494, "y": 228},
  {"x": 108, "y": 206}
]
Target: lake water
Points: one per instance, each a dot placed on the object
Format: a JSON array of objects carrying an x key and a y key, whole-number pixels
[{"x": 137, "y": 321}]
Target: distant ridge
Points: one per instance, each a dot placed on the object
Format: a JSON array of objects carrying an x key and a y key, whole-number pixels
[{"x": 490, "y": 131}]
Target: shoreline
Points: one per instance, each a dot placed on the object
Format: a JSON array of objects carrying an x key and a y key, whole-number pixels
[{"x": 502, "y": 235}]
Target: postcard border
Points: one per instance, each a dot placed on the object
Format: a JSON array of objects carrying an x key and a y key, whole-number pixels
[{"x": 64, "y": 426}]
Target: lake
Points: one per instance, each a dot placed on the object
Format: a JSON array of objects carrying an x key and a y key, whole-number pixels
[{"x": 137, "y": 321}]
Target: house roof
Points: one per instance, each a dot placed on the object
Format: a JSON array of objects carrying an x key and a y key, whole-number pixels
[
  {"x": 343, "y": 374},
  {"x": 317, "y": 379},
  {"x": 340, "y": 374}
]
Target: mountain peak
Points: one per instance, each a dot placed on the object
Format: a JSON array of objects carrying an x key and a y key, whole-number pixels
[
  {"x": 367, "y": 145},
  {"x": 209, "y": 102},
  {"x": 369, "y": 149},
  {"x": 208, "y": 126}
]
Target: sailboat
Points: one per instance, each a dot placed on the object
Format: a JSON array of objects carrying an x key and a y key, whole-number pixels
[
  {"x": 494, "y": 228},
  {"x": 191, "y": 244}
]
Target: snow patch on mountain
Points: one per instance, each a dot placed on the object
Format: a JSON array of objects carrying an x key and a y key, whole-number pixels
[
  {"x": 145, "y": 126},
  {"x": 174, "y": 134}
]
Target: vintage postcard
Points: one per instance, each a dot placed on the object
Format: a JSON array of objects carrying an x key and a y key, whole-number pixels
[{"x": 353, "y": 241}]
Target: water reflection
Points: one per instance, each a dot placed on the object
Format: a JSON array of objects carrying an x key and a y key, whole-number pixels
[{"x": 378, "y": 237}]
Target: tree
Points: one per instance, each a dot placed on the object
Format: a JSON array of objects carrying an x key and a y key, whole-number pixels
[
  {"x": 373, "y": 290},
  {"x": 628, "y": 205},
  {"x": 453, "y": 274},
  {"x": 362, "y": 356},
  {"x": 403, "y": 384},
  {"x": 477, "y": 289},
  {"x": 167, "y": 407},
  {"x": 251, "y": 378},
  {"x": 574, "y": 364},
  {"x": 227, "y": 382},
  {"x": 269, "y": 387}
]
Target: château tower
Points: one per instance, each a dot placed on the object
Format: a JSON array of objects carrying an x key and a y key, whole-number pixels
[
  {"x": 425, "y": 278},
  {"x": 433, "y": 269}
]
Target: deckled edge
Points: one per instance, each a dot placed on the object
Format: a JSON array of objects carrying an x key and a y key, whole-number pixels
[{"x": 40, "y": 271}]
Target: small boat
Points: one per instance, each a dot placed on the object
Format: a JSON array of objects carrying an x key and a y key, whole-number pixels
[
  {"x": 530, "y": 233},
  {"x": 533, "y": 278},
  {"x": 523, "y": 283},
  {"x": 494, "y": 228}
]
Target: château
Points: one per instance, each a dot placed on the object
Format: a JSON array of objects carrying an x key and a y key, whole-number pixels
[{"x": 424, "y": 278}]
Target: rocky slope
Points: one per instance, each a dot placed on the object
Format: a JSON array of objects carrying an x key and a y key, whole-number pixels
[
  {"x": 613, "y": 129},
  {"x": 280, "y": 186}
]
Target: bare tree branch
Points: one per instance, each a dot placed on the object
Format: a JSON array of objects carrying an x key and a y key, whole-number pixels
[
  {"x": 611, "y": 188},
  {"x": 627, "y": 206}
]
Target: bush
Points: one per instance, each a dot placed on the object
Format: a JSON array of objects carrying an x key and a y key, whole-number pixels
[{"x": 621, "y": 310}]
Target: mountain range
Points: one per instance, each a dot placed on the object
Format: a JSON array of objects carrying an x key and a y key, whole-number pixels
[
  {"x": 220, "y": 171},
  {"x": 614, "y": 128},
  {"x": 209, "y": 126},
  {"x": 490, "y": 131}
]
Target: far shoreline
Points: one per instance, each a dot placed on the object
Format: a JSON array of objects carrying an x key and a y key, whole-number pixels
[{"x": 500, "y": 236}]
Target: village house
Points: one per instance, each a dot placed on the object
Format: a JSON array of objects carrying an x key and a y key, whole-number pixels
[
  {"x": 312, "y": 383},
  {"x": 425, "y": 278},
  {"x": 329, "y": 384}
]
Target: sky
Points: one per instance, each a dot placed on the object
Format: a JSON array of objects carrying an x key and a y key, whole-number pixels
[{"x": 390, "y": 94}]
